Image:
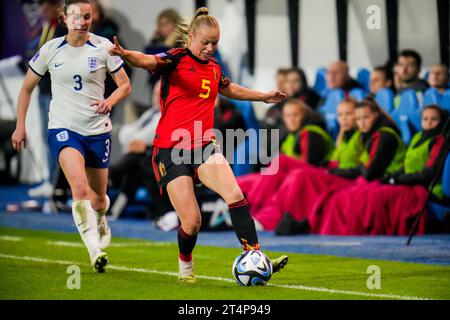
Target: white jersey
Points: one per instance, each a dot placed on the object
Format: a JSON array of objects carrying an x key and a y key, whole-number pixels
[{"x": 78, "y": 79}]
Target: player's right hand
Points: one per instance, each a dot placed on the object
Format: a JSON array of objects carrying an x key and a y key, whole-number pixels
[
  {"x": 19, "y": 139},
  {"x": 116, "y": 49}
]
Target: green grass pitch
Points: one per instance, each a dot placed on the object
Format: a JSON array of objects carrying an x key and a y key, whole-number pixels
[{"x": 34, "y": 265}]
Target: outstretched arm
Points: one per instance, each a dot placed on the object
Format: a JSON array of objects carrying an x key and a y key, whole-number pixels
[
  {"x": 134, "y": 58},
  {"x": 235, "y": 91}
]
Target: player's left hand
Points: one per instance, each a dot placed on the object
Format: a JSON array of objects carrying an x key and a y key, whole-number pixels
[
  {"x": 275, "y": 96},
  {"x": 103, "y": 106}
]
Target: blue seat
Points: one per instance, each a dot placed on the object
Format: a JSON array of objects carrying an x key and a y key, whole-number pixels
[
  {"x": 406, "y": 111},
  {"x": 432, "y": 96},
  {"x": 329, "y": 111},
  {"x": 437, "y": 211},
  {"x": 320, "y": 83},
  {"x": 246, "y": 154},
  {"x": 402, "y": 122},
  {"x": 385, "y": 98},
  {"x": 357, "y": 94},
  {"x": 416, "y": 120},
  {"x": 363, "y": 78},
  {"x": 408, "y": 102},
  {"x": 445, "y": 102}
]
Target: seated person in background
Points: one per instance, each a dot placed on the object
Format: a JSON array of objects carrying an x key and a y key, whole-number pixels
[
  {"x": 281, "y": 79},
  {"x": 438, "y": 77},
  {"x": 384, "y": 149},
  {"x": 381, "y": 77},
  {"x": 306, "y": 138},
  {"x": 226, "y": 116},
  {"x": 304, "y": 143},
  {"x": 288, "y": 208},
  {"x": 390, "y": 208},
  {"x": 338, "y": 77},
  {"x": 134, "y": 169},
  {"x": 101, "y": 24},
  {"x": 426, "y": 151},
  {"x": 408, "y": 67},
  {"x": 295, "y": 86}
]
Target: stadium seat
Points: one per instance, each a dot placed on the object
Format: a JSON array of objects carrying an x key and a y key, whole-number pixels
[
  {"x": 320, "y": 84},
  {"x": 385, "y": 98},
  {"x": 357, "y": 94},
  {"x": 244, "y": 153},
  {"x": 415, "y": 120},
  {"x": 334, "y": 97},
  {"x": 406, "y": 111},
  {"x": 363, "y": 78},
  {"x": 445, "y": 102},
  {"x": 408, "y": 102},
  {"x": 437, "y": 211},
  {"x": 432, "y": 96}
]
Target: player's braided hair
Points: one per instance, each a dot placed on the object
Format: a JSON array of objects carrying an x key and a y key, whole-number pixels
[{"x": 185, "y": 27}]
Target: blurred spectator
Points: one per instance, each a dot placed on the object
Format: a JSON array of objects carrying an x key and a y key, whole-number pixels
[
  {"x": 398, "y": 74},
  {"x": 102, "y": 25},
  {"x": 226, "y": 116},
  {"x": 306, "y": 137},
  {"x": 295, "y": 85},
  {"x": 134, "y": 168},
  {"x": 51, "y": 28},
  {"x": 438, "y": 77},
  {"x": 381, "y": 77},
  {"x": 409, "y": 63},
  {"x": 338, "y": 77},
  {"x": 281, "y": 79},
  {"x": 384, "y": 150},
  {"x": 165, "y": 35},
  {"x": 425, "y": 153}
]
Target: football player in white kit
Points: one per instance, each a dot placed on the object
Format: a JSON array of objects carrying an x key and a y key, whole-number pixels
[{"x": 79, "y": 124}]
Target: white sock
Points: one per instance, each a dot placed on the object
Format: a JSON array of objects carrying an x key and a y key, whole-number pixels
[
  {"x": 102, "y": 212},
  {"x": 86, "y": 221}
]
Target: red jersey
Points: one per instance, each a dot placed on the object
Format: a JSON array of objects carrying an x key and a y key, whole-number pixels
[{"x": 189, "y": 87}]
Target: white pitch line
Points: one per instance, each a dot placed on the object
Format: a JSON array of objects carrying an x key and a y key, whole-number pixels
[
  {"x": 118, "y": 244},
  {"x": 174, "y": 274},
  {"x": 11, "y": 238}
]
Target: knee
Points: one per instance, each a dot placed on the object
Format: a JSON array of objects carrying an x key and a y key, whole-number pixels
[
  {"x": 80, "y": 190},
  {"x": 192, "y": 226}
]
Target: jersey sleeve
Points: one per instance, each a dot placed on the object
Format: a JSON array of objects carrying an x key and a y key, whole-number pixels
[
  {"x": 166, "y": 62},
  {"x": 39, "y": 63},
  {"x": 113, "y": 63}
]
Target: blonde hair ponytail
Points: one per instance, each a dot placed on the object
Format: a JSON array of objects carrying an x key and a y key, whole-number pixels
[{"x": 184, "y": 28}]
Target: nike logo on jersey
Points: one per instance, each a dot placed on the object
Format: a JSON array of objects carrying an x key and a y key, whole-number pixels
[{"x": 57, "y": 65}]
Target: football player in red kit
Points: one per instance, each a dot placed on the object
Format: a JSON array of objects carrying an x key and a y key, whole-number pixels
[{"x": 190, "y": 81}]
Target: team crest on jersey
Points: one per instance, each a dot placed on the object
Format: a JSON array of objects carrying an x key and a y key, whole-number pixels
[
  {"x": 162, "y": 169},
  {"x": 93, "y": 63},
  {"x": 62, "y": 136}
]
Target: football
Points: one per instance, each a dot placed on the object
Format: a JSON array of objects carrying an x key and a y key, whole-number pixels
[{"x": 252, "y": 268}]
